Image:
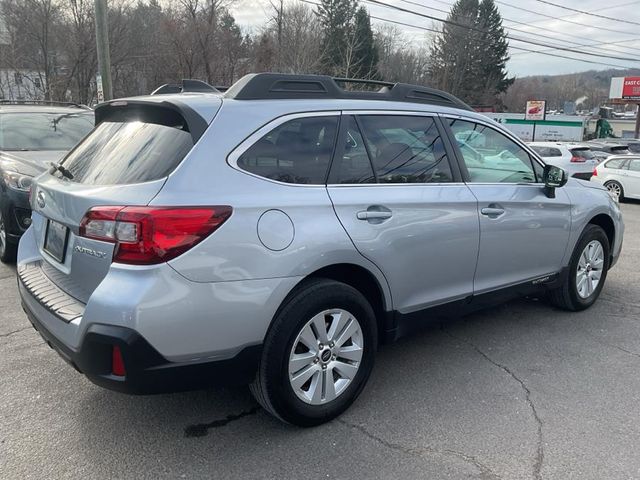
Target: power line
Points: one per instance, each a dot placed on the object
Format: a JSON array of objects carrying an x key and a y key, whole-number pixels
[
  {"x": 633, "y": 51},
  {"x": 590, "y": 45},
  {"x": 609, "y": 7},
  {"x": 433, "y": 30},
  {"x": 621, "y": 20},
  {"x": 501, "y": 2},
  {"x": 531, "y": 42}
]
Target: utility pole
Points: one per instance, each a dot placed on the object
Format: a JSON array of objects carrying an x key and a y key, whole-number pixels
[{"x": 102, "y": 45}]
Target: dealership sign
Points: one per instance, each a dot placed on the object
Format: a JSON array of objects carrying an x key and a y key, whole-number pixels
[
  {"x": 536, "y": 110},
  {"x": 626, "y": 88}
]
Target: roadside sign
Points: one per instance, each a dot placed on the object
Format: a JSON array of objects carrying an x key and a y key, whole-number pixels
[
  {"x": 536, "y": 110},
  {"x": 631, "y": 88},
  {"x": 626, "y": 88}
]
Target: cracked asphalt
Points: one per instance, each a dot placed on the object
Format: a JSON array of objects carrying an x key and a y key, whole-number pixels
[{"x": 521, "y": 391}]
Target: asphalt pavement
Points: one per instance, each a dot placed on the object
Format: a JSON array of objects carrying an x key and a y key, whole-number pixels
[{"x": 520, "y": 391}]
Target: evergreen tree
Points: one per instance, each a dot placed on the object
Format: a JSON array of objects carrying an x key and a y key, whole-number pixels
[
  {"x": 365, "y": 48},
  {"x": 493, "y": 54},
  {"x": 336, "y": 18},
  {"x": 468, "y": 57}
]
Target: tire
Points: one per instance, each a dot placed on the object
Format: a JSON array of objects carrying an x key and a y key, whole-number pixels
[
  {"x": 616, "y": 188},
  {"x": 278, "y": 385},
  {"x": 7, "y": 249},
  {"x": 574, "y": 294}
]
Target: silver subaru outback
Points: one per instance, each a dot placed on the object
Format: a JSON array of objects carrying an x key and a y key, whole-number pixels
[{"x": 276, "y": 234}]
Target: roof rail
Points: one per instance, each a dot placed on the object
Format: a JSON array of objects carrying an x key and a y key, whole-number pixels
[
  {"x": 187, "y": 86},
  {"x": 44, "y": 102},
  {"x": 262, "y": 86}
]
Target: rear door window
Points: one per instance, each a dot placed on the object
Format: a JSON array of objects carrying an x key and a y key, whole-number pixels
[
  {"x": 616, "y": 163},
  {"x": 118, "y": 153},
  {"x": 405, "y": 149},
  {"x": 298, "y": 151}
]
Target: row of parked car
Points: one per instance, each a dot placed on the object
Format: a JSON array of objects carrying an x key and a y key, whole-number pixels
[
  {"x": 614, "y": 163},
  {"x": 277, "y": 233}
]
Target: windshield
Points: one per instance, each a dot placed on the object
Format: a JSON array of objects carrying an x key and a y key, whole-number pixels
[{"x": 43, "y": 131}]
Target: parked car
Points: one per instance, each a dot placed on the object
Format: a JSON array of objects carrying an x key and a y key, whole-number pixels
[
  {"x": 620, "y": 175},
  {"x": 576, "y": 159},
  {"x": 31, "y": 137},
  {"x": 276, "y": 234},
  {"x": 632, "y": 144},
  {"x": 608, "y": 147}
]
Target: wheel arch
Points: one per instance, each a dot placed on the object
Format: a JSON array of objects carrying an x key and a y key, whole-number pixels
[
  {"x": 363, "y": 280},
  {"x": 605, "y": 222}
]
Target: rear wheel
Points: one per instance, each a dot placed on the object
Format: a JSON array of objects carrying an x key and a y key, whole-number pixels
[
  {"x": 587, "y": 271},
  {"x": 7, "y": 249},
  {"x": 318, "y": 354},
  {"x": 615, "y": 188}
]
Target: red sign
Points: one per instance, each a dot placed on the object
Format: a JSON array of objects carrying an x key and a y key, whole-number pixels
[{"x": 631, "y": 88}]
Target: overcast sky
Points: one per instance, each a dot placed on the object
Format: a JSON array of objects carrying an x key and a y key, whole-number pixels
[{"x": 542, "y": 23}]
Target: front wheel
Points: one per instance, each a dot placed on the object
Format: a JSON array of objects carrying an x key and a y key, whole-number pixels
[
  {"x": 587, "y": 271},
  {"x": 317, "y": 355},
  {"x": 7, "y": 249}
]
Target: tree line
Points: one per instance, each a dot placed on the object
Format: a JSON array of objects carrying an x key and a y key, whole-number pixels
[{"x": 154, "y": 42}]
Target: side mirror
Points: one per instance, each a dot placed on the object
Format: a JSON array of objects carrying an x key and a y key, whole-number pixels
[{"x": 553, "y": 177}]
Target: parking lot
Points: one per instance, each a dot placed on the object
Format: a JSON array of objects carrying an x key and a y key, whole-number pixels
[{"x": 518, "y": 391}]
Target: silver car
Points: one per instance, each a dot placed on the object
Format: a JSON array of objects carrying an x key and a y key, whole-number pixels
[{"x": 277, "y": 234}]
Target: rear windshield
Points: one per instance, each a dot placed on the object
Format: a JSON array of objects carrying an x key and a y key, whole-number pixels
[
  {"x": 43, "y": 131},
  {"x": 585, "y": 153},
  {"x": 620, "y": 149},
  {"x": 118, "y": 153}
]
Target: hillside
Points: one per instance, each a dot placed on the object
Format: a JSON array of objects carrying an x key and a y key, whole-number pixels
[{"x": 588, "y": 89}]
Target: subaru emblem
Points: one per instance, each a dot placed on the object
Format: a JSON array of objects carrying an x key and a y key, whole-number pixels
[{"x": 40, "y": 199}]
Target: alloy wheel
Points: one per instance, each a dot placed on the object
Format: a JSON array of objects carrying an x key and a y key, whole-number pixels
[
  {"x": 326, "y": 356},
  {"x": 589, "y": 270},
  {"x": 614, "y": 188}
]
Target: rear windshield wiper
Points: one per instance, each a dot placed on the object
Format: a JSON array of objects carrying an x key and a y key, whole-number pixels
[{"x": 57, "y": 167}]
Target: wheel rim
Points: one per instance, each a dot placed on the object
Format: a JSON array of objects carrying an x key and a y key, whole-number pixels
[
  {"x": 614, "y": 188},
  {"x": 590, "y": 268},
  {"x": 326, "y": 356},
  {"x": 3, "y": 235}
]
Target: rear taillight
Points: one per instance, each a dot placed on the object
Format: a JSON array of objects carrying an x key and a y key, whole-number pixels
[
  {"x": 575, "y": 159},
  {"x": 595, "y": 172},
  {"x": 150, "y": 235}
]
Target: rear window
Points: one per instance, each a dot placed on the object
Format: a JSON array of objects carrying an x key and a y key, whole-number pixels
[
  {"x": 297, "y": 151},
  {"x": 43, "y": 131},
  {"x": 118, "y": 153},
  {"x": 620, "y": 150},
  {"x": 546, "y": 151},
  {"x": 617, "y": 163},
  {"x": 585, "y": 153}
]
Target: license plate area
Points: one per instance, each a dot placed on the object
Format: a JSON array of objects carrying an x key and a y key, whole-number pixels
[{"x": 55, "y": 240}]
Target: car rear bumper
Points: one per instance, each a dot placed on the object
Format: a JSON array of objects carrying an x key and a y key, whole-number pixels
[
  {"x": 583, "y": 175},
  {"x": 146, "y": 371}
]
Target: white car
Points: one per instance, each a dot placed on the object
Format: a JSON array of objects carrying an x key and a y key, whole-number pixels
[
  {"x": 620, "y": 175},
  {"x": 576, "y": 158}
]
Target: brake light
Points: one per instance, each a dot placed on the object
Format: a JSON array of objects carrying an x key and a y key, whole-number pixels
[
  {"x": 575, "y": 159},
  {"x": 151, "y": 235},
  {"x": 595, "y": 172}
]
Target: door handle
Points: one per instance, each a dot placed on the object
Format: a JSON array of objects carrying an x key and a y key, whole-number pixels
[
  {"x": 492, "y": 212},
  {"x": 373, "y": 215}
]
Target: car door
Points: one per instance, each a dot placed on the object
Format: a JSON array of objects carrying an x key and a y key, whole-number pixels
[
  {"x": 632, "y": 179},
  {"x": 402, "y": 202},
  {"x": 523, "y": 233}
]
